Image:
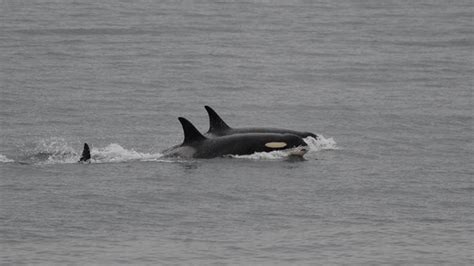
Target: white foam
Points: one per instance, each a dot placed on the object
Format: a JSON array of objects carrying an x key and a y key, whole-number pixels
[
  {"x": 273, "y": 155},
  {"x": 58, "y": 151},
  {"x": 321, "y": 143},
  {"x": 116, "y": 153},
  {"x": 4, "y": 159},
  {"x": 52, "y": 151}
]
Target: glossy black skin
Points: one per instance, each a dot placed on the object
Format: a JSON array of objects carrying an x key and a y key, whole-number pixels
[
  {"x": 217, "y": 127},
  {"x": 245, "y": 130},
  {"x": 195, "y": 145},
  {"x": 243, "y": 144}
]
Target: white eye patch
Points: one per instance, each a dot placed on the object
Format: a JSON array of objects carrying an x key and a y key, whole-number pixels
[{"x": 275, "y": 145}]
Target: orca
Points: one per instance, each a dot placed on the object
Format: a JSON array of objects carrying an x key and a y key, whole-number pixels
[
  {"x": 196, "y": 145},
  {"x": 86, "y": 154},
  {"x": 217, "y": 127}
]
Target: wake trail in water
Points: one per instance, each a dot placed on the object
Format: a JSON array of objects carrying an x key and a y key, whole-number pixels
[
  {"x": 4, "y": 159},
  {"x": 115, "y": 153},
  {"x": 59, "y": 151}
]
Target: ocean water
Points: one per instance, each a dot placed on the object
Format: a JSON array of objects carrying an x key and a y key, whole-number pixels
[{"x": 388, "y": 84}]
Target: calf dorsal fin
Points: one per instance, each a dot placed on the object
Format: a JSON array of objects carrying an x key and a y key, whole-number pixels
[
  {"x": 191, "y": 134},
  {"x": 86, "y": 154},
  {"x": 216, "y": 123}
]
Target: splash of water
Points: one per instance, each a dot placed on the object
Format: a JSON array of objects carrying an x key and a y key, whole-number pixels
[
  {"x": 321, "y": 143},
  {"x": 58, "y": 151},
  {"x": 48, "y": 151},
  {"x": 116, "y": 153},
  {"x": 273, "y": 155},
  {"x": 4, "y": 159}
]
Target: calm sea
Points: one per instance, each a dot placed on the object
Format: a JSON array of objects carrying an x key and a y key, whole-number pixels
[{"x": 388, "y": 84}]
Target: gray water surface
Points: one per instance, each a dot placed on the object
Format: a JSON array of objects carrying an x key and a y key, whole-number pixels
[{"x": 387, "y": 83}]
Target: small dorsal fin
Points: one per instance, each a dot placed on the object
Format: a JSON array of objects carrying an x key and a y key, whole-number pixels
[
  {"x": 191, "y": 134},
  {"x": 215, "y": 121},
  {"x": 86, "y": 154}
]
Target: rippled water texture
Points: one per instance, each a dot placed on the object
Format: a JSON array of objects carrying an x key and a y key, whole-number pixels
[{"x": 388, "y": 84}]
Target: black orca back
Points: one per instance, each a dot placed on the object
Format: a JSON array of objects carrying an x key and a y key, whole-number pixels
[{"x": 217, "y": 127}]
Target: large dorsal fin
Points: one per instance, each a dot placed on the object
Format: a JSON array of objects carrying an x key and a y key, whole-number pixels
[
  {"x": 215, "y": 121},
  {"x": 191, "y": 134}
]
